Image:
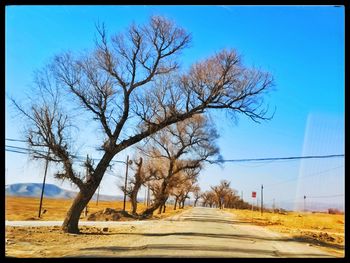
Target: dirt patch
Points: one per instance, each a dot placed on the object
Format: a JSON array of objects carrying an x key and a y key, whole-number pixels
[
  {"x": 317, "y": 229},
  {"x": 109, "y": 214},
  {"x": 325, "y": 237},
  {"x": 53, "y": 242}
]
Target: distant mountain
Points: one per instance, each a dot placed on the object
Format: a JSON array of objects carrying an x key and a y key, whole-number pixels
[{"x": 51, "y": 191}]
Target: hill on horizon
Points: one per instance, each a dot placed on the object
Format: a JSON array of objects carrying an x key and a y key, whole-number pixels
[{"x": 50, "y": 191}]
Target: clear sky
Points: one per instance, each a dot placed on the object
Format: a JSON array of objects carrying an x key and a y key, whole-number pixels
[{"x": 302, "y": 46}]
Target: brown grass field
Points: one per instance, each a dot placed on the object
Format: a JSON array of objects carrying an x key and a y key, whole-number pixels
[
  {"x": 26, "y": 208},
  {"x": 317, "y": 229},
  {"x": 320, "y": 229}
]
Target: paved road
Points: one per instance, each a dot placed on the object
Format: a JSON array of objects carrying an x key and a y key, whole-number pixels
[{"x": 197, "y": 232}]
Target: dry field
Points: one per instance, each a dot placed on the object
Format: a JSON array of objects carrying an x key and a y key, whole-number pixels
[
  {"x": 26, "y": 208},
  {"x": 51, "y": 241},
  {"x": 320, "y": 229}
]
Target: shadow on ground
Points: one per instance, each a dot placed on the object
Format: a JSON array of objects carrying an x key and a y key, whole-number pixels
[{"x": 211, "y": 248}]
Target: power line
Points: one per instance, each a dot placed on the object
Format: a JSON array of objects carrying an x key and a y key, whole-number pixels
[
  {"x": 16, "y": 149},
  {"x": 234, "y": 160},
  {"x": 14, "y": 140},
  {"x": 283, "y": 158}
]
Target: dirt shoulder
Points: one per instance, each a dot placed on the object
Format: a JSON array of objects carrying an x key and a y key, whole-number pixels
[{"x": 325, "y": 231}]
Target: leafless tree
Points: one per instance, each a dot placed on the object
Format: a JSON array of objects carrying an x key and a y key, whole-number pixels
[
  {"x": 185, "y": 185},
  {"x": 182, "y": 147},
  {"x": 135, "y": 184},
  {"x": 196, "y": 190},
  {"x": 221, "y": 191},
  {"x": 131, "y": 86},
  {"x": 209, "y": 198}
]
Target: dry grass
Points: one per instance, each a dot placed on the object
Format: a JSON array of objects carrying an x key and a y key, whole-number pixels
[
  {"x": 320, "y": 229},
  {"x": 26, "y": 208}
]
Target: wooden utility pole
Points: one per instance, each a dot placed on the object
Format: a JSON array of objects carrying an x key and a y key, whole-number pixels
[
  {"x": 126, "y": 180},
  {"x": 87, "y": 179},
  {"x": 43, "y": 187},
  {"x": 262, "y": 198},
  {"x": 148, "y": 196},
  {"x": 98, "y": 193}
]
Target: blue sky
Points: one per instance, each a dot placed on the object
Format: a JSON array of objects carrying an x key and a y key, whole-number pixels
[{"x": 302, "y": 46}]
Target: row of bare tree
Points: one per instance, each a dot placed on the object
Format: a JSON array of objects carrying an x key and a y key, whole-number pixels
[
  {"x": 223, "y": 196},
  {"x": 171, "y": 161}
]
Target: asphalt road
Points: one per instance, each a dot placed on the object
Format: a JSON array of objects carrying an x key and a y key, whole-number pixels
[{"x": 197, "y": 232}]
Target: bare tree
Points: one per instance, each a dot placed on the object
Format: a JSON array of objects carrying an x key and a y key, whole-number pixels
[
  {"x": 131, "y": 80},
  {"x": 209, "y": 198},
  {"x": 182, "y": 147},
  {"x": 196, "y": 190},
  {"x": 135, "y": 184},
  {"x": 221, "y": 192},
  {"x": 185, "y": 185}
]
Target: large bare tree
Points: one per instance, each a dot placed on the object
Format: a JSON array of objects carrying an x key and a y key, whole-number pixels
[
  {"x": 221, "y": 191},
  {"x": 182, "y": 147},
  {"x": 131, "y": 86},
  {"x": 197, "y": 194}
]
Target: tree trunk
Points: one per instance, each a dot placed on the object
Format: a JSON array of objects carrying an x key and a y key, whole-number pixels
[
  {"x": 164, "y": 207},
  {"x": 175, "y": 203},
  {"x": 133, "y": 198},
  {"x": 160, "y": 209},
  {"x": 149, "y": 211},
  {"x": 137, "y": 186},
  {"x": 70, "y": 224},
  {"x": 163, "y": 195},
  {"x": 195, "y": 202}
]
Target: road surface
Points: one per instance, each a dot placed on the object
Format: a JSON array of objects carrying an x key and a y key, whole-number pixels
[{"x": 197, "y": 232}]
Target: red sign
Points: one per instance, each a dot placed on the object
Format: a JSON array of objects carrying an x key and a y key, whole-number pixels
[{"x": 253, "y": 194}]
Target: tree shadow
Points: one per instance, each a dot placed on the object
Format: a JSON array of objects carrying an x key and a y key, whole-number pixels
[
  {"x": 227, "y": 236},
  {"x": 208, "y": 248}
]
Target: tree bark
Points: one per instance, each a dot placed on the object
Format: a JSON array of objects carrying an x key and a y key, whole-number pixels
[
  {"x": 133, "y": 198},
  {"x": 71, "y": 221},
  {"x": 160, "y": 209},
  {"x": 137, "y": 186},
  {"x": 149, "y": 211},
  {"x": 175, "y": 203}
]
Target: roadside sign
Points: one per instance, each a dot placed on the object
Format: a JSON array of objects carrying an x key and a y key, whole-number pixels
[{"x": 253, "y": 194}]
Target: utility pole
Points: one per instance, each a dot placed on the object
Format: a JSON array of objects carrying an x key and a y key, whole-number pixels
[
  {"x": 148, "y": 196},
  {"x": 273, "y": 206},
  {"x": 43, "y": 187},
  {"x": 304, "y": 203},
  {"x": 242, "y": 195},
  {"x": 126, "y": 180},
  {"x": 87, "y": 179},
  {"x": 262, "y": 197},
  {"x": 98, "y": 193}
]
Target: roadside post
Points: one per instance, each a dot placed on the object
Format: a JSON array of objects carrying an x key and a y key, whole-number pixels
[
  {"x": 253, "y": 196},
  {"x": 262, "y": 198},
  {"x": 126, "y": 179},
  {"x": 43, "y": 187}
]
